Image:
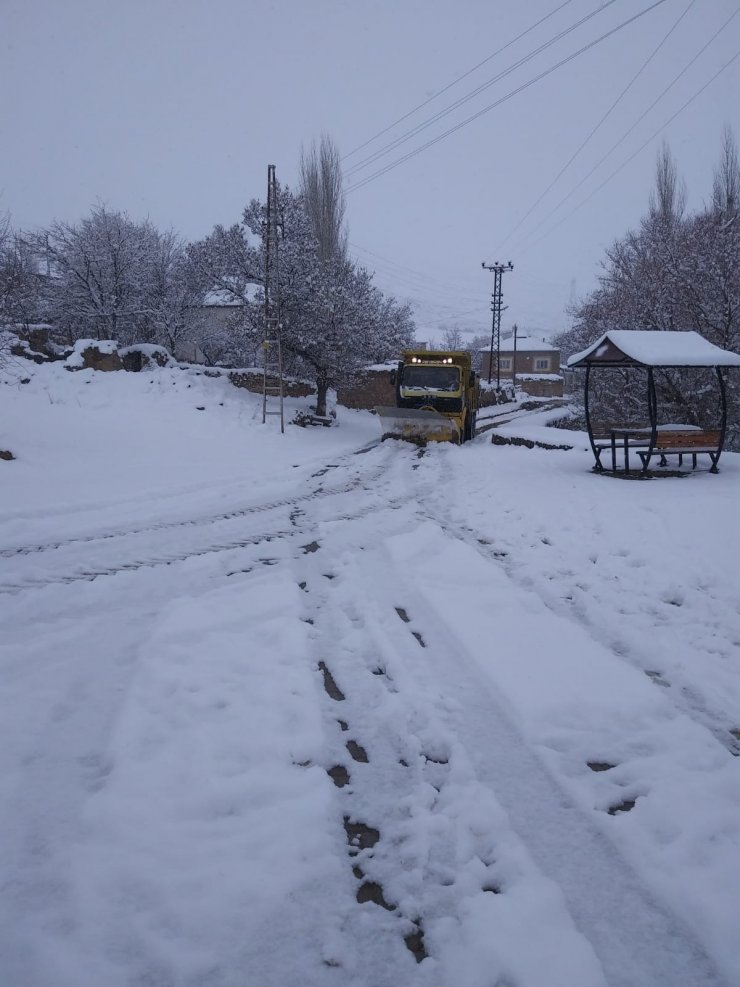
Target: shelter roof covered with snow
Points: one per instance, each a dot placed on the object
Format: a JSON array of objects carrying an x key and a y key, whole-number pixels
[{"x": 653, "y": 348}]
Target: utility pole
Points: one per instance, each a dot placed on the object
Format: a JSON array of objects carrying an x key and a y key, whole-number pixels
[
  {"x": 513, "y": 370},
  {"x": 272, "y": 355},
  {"x": 496, "y": 298}
]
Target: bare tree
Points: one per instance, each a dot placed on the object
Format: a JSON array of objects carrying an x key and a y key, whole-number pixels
[
  {"x": 726, "y": 185},
  {"x": 668, "y": 198},
  {"x": 323, "y": 198},
  {"x": 4, "y": 229},
  {"x": 452, "y": 339},
  {"x": 100, "y": 274},
  {"x": 20, "y": 283},
  {"x": 175, "y": 291},
  {"x": 481, "y": 341},
  {"x": 676, "y": 271}
]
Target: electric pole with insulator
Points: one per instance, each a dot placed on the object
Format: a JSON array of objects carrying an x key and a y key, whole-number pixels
[{"x": 496, "y": 299}]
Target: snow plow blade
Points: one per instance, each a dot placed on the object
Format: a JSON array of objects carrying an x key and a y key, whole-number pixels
[{"x": 417, "y": 425}]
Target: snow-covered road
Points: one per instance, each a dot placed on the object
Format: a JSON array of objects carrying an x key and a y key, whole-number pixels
[{"x": 369, "y": 716}]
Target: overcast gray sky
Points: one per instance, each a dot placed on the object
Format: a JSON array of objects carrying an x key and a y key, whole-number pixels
[{"x": 173, "y": 109}]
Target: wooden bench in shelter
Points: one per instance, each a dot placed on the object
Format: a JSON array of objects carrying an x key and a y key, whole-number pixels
[{"x": 691, "y": 442}]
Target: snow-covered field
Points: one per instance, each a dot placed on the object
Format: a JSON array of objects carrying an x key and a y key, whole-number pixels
[{"x": 524, "y": 679}]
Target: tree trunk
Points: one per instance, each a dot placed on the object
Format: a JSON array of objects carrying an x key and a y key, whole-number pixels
[{"x": 322, "y": 386}]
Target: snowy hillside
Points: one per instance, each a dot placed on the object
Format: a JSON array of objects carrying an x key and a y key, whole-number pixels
[{"x": 318, "y": 710}]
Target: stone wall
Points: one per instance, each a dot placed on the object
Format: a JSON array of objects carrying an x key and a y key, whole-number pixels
[
  {"x": 37, "y": 338},
  {"x": 136, "y": 359},
  {"x": 489, "y": 397},
  {"x": 542, "y": 388},
  {"x": 369, "y": 389},
  {"x": 94, "y": 359},
  {"x": 253, "y": 382}
]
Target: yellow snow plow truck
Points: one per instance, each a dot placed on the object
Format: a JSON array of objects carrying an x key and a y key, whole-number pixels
[{"x": 436, "y": 398}]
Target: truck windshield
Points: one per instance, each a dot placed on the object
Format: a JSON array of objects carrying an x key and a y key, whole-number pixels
[{"x": 426, "y": 378}]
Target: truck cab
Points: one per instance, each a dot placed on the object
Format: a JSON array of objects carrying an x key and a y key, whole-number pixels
[{"x": 436, "y": 397}]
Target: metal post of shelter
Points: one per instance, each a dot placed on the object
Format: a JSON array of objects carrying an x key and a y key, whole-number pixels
[
  {"x": 587, "y": 412},
  {"x": 723, "y": 405}
]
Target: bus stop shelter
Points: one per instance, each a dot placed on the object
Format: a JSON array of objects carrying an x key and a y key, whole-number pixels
[{"x": 652, "y": 350}]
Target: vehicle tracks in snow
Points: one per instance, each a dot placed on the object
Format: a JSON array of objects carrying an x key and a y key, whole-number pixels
[
  {"x": 378, "y": 925},
  {"x": 200, "y": 520},
  {"x": 87, "y": 558},
  {"x": 46, "y": 621},
  {"x": 361, "y": 837},
  {"x": 637, "y": 940},
  {"x": 451, "y": 824},
  {"x": 686, "y": 700},
  {"x": 445, "y": 809}
]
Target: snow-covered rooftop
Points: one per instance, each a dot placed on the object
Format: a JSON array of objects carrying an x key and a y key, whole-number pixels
[
  {"x": 530, "y": 376},
  {"x": 219, "y": 298},
  {"x": 524, "y": 344},
  {"x": 654, "y": 348}
]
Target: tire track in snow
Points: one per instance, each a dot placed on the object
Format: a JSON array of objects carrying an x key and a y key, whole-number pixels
[
  {"x": 684, "y": 699},
  {"x": 637, "y": 940},
  {"x": 377, "y": 929},
  {"x": 428, "y": 720},
  {"x": 378, "y": 923},
  {"x": 40, "y": 547},
  {"x": 82, "y": 570},
  {"x": 429, "y": 507}
]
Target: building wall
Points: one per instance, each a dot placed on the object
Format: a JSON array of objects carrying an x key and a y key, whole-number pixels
[
  {"x": 213, "y": 315},
  {"x": 526, "y": 363}
]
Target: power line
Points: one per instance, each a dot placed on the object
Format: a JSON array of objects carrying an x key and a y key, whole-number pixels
[
  {"x": 425, "y": 124},
  {"x": 639, "y": 149},
  {"x": 626, "y": 134},
  {"x": 410, "y": 270},
  {"x": 461, "y": 292},
  {"x": 613, "y": 106},
  {"x": 503, "y": 99},
  {"x": 415, "y": 285},
  {"x": 424, "y": 292},
  {"x": 455, "y": 81},
  {"x": 454, "y": 316}
]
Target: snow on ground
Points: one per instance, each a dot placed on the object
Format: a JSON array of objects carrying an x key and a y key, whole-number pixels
[
  {"x": 89, "y": 443},
  {"x": 523, "y": 678}
]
